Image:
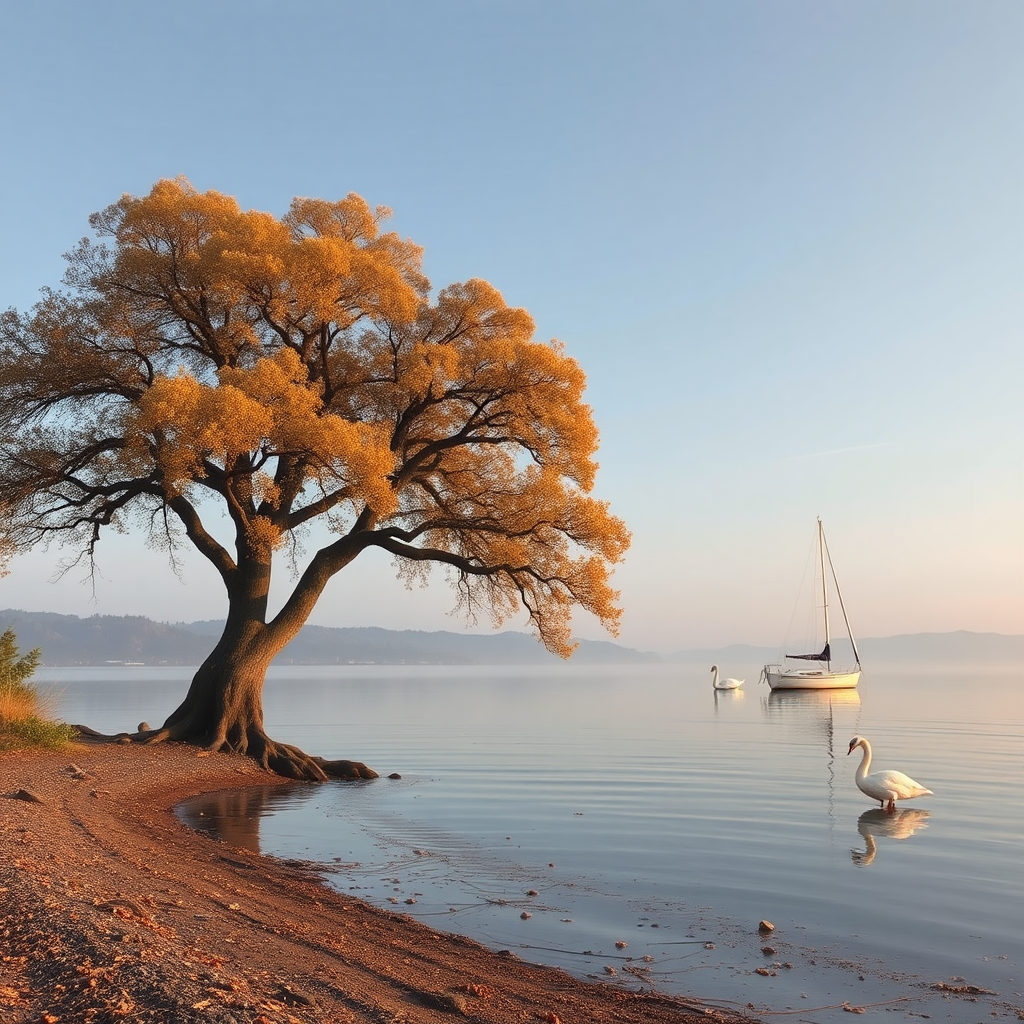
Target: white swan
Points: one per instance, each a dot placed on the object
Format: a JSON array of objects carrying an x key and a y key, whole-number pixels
[
  {"x": 724, "y": 684},
  {"x": 885, "y": 787}
]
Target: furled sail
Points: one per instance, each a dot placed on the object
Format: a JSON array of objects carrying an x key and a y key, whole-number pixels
[{"x": 826, "y": 655}]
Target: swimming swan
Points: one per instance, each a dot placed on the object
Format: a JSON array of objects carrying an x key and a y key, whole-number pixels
[
  {"x": 724, "y": 684},
  {"x": 885, "y": 787}
]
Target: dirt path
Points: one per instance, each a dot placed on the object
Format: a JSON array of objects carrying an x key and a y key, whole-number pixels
[{"x": 110, "y": 910}]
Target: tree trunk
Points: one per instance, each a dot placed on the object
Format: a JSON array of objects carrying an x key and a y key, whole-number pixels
[{"x": 223, "y": 709}]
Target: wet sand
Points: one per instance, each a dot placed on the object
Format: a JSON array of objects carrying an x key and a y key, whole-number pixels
[{"x": 113, "y": 910}]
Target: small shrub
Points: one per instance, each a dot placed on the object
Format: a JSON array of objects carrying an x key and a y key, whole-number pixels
[
  {"x": 34, "y": 731},
  {"x": 23, "y": 710}
]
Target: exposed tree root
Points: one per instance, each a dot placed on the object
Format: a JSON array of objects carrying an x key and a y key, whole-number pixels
[
  {"x": 341, "y": 769},
  {"x": 280, "y": 758}
]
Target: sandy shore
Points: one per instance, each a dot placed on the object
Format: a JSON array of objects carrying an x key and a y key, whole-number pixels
[{"x": 113, "y": 911}]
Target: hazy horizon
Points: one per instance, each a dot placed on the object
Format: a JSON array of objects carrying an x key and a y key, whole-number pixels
[
  {"x": 961, "y": 642},
  {"x": 783, "y": 242}
]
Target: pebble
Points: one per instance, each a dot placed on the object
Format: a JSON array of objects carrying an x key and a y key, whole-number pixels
[
  {"x": 286, "y": 993},
  {"x": 27, "y": 795}
]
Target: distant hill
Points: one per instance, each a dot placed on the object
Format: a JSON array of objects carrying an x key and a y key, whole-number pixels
[
  {"x": 923, "y": 648},
  {"x": 70, "y": 640},
  {"x": 734, "y": 654},
  {"x": 938, "y": 647},
  {"x": 102, "y": 639}
]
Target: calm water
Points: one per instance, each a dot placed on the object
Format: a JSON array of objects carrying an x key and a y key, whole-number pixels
[{"x": 637, "y": 805}]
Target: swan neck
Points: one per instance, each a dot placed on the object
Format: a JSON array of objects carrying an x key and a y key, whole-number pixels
[{"x": 865, "y": 762}]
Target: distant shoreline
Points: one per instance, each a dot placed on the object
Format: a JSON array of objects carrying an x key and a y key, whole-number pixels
[{"x": 129, "y": 640}]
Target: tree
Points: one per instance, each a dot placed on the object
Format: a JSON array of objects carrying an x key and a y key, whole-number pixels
[
  {"x": 16, "y": 669},
  {"x": 203, "y": 361}
]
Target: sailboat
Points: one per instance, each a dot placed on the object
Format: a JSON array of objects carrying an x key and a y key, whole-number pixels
[{"x": 823, "y": 676}]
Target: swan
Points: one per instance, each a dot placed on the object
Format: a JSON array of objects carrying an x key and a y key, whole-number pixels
[
  {"x": 724, "y": 684},
  {"x": 885, "y": 787}
]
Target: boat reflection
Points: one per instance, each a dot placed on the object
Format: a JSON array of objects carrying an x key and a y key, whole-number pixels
[
  {"x": 810, "y": 704},
  {"x": 815, "y": 715},
  {"x": 881, "y": 824}
]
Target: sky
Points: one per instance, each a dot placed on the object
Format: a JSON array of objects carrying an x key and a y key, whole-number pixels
[{"x": 784, "y": 240}]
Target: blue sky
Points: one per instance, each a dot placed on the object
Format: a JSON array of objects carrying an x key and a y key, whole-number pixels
[{"x": 785, "y": 240}]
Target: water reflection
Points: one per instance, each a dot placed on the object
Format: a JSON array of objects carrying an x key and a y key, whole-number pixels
[
  {"x": 814, "y": 713},
  {"x": 234, "y": 816},
  {"x": 728, "y": 696},
  {"x": 817, "y": 714},
  {"x": 810, "y": 705},
  {"x": 881, "y": 824}
]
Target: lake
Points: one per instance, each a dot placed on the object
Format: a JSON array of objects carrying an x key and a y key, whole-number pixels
[{"x": 559, "y": 812}]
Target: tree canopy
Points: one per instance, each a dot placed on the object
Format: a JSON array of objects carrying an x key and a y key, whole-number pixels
[{"x": 203, "y": 360}]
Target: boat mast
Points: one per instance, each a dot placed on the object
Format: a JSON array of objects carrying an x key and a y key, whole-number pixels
[
  {"x": 824, "y": 588},
  {"x": 839, "y": 594}
]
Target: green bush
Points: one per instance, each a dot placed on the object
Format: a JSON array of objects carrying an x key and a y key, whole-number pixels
[
  {"x": 23, "y": 720},
  {"x": 15, "y": 671},
  {"x": 34, "y": 731}
]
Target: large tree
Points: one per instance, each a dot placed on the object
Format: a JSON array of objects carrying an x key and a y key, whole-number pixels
[{"x": 240, "y": 382}]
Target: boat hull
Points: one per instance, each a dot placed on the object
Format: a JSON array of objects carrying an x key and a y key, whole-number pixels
[{"x": 810, "y": 679}]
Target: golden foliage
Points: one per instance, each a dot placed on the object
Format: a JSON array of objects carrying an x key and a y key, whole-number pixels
[
  {"x": 297, "y": 368},
  {"x": 251, "y": 416}
]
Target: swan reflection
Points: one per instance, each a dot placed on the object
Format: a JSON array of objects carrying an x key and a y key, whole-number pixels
[
  {"x": 729, "y": 696},
  {"x": 881, "y": 824}
]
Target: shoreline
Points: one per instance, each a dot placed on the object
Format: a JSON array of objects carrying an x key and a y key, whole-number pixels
[{"x": 114, "y": 909}]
